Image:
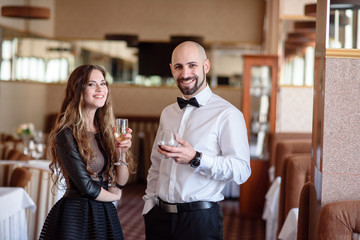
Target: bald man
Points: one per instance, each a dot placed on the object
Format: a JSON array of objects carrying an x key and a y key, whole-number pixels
[{"x": 184, "y": 182}]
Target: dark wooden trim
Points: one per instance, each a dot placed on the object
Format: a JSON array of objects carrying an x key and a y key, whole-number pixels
[{"x": 27, "y": 12}]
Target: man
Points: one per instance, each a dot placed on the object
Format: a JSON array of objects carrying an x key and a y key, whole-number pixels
[{"x": 184, "y": 187}]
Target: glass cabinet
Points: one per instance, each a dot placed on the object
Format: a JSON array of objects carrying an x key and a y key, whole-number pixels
[
  {"x": 259, "y": 109},
  {"x": 259, "y": 101}
]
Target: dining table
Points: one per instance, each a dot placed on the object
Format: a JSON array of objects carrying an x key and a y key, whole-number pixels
[
  {"x": 13, "y": 203},
  {"x": 289, "y": 229},
  {"x": 271, "y": 209},
  {"x": 40, "y": 189}
]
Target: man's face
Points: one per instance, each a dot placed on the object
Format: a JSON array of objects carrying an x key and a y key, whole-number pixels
[{"x": 189, "y": 70}]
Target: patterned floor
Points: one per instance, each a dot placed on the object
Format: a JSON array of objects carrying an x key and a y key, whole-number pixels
[{"x": 235, "y": 227}]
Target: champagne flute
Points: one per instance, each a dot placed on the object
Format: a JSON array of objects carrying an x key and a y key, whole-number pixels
[
  {"x": 121, "y": 124},
  {"x": 167, "y": 137}
]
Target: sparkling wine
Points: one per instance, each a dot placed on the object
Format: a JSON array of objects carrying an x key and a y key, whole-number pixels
[
  {"x": 119, "y": 136},
  {"x": 121, "y": 125}
]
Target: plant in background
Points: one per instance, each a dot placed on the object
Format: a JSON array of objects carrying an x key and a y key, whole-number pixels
[{"x": 25, "y": 130}]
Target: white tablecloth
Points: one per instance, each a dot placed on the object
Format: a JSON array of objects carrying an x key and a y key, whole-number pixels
[
  {"x": 39, "y": 189},
  {"x": 271, "y": 209},
  {"x": 41, "y": 164},
  {"x": 289, "y": 229},
  {"x": 13, "y": 202}
]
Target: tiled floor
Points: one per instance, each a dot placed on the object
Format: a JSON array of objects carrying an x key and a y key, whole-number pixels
[{"x": 235, "y": 227}]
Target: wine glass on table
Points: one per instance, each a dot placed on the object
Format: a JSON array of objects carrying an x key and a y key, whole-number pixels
[
  {"x": 38, "y": 151},
  {"x": 121, "y": 124},
  {"x": 167, "y": 137}
]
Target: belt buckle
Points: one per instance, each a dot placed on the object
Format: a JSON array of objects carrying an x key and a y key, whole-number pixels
[{"x": 172, "y": 208}]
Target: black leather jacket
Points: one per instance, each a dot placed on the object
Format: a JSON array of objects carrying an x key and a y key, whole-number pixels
[{"x": 79, "y": 179}]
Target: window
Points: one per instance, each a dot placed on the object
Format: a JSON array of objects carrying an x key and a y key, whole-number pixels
[{"x": 6, "y": 56}]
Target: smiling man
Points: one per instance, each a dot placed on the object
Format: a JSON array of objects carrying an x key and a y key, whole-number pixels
[{"x": 184, "y": 182}]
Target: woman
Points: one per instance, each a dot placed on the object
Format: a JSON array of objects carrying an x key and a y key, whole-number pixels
[{"x": 83, "y": 150}]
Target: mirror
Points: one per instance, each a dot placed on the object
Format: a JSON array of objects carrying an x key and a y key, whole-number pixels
[
  {"x": 260, "y": 92},
  {"x": 46, "y": 60},
  {"x": 344, "y": 27},
  {"x": 299, "y": 53},
  {"x": 32, "y": 58}
]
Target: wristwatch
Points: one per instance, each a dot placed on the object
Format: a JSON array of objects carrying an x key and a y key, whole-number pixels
[{"x": 195, "y": 162}]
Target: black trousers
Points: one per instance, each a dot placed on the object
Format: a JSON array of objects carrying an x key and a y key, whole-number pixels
[{"x": 203, "y": 224}]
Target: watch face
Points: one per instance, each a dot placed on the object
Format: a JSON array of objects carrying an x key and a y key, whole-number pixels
[{"x": 195, "y": 162}]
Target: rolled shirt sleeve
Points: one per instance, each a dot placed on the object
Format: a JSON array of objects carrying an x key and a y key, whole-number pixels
[{"x": 234, "y": 161}]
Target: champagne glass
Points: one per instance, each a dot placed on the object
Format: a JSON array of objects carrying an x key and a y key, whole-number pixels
[
  {"x": 121, "y": 124},
  {"x": 38, "y": 151},
  {"x": 38, "y": 145},
  {"x": 167, "y": 137}
]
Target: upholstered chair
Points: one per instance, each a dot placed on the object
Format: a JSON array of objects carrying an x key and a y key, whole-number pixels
[
  {"x": 339, "y": 221},
  {"x": 296, "y": 172},
  {"x": 20, "y": 177},
  {"x": 307, "y": 219}
]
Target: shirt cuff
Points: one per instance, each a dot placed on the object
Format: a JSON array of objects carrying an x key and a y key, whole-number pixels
[
  {"x": 205, "y": 163},
  {"x": 149, "y": 204}
]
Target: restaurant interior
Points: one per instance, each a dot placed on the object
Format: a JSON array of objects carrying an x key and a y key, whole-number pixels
[{"x": 291, "y": 67}]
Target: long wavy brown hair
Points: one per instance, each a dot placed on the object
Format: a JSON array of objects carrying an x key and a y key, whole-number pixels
[{"x": 71, "y": 116}]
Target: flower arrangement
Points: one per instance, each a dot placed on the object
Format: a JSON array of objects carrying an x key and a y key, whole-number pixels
[{"x": 25, "y": 130}]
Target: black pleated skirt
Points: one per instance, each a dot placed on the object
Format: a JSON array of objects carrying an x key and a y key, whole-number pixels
[{"x": 82, "y": 218}]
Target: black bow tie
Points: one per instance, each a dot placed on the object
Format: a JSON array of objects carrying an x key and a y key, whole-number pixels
[{"x": 183, "y": 102}]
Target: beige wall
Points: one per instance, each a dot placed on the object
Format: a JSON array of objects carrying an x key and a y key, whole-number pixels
[
  {"x": 294, "y": 109},
  {"x": 157, "y": 20},
  {"x": 294, "y": 8},
  {"x": 224, "y": 21},
  {"x": 21, "y": 102}
]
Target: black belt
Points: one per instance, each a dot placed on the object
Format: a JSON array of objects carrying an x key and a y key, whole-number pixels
[{"x": 185, "y": 207}]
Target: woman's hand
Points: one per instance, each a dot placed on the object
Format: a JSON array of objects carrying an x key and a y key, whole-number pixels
[
  {"x": 116, "y": 191},
  {"x": 125, "y": 144}
]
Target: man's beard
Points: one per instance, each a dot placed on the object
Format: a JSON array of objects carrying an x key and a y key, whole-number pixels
[{"x": 187, "y": 90}]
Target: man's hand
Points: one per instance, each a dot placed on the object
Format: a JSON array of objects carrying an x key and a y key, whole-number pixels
[{"x": 183, "y": 154}]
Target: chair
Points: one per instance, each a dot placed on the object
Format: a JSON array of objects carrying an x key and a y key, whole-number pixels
[
  {"x": 276, "y": 138},
  {"x": 20, "y": 177},
  {"x": 339, "y": 220},
  {"x": 40, "y": 191},
  {"x": 15, "y": 154},
  {"x": 6, "y": 173},
  {"x": 296, "y": 172},
  {"x": 39, "y": 188},
  {"x": 6, "y": 148},
  {"x": 307, "y": 218},
  {"x": 287, "y": 148}
]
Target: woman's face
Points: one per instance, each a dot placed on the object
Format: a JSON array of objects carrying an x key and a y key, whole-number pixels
[{"x": 96, "y": 92}]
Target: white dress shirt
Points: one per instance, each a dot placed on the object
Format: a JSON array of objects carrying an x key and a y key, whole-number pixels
[{"x": 216, "y": 129}]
